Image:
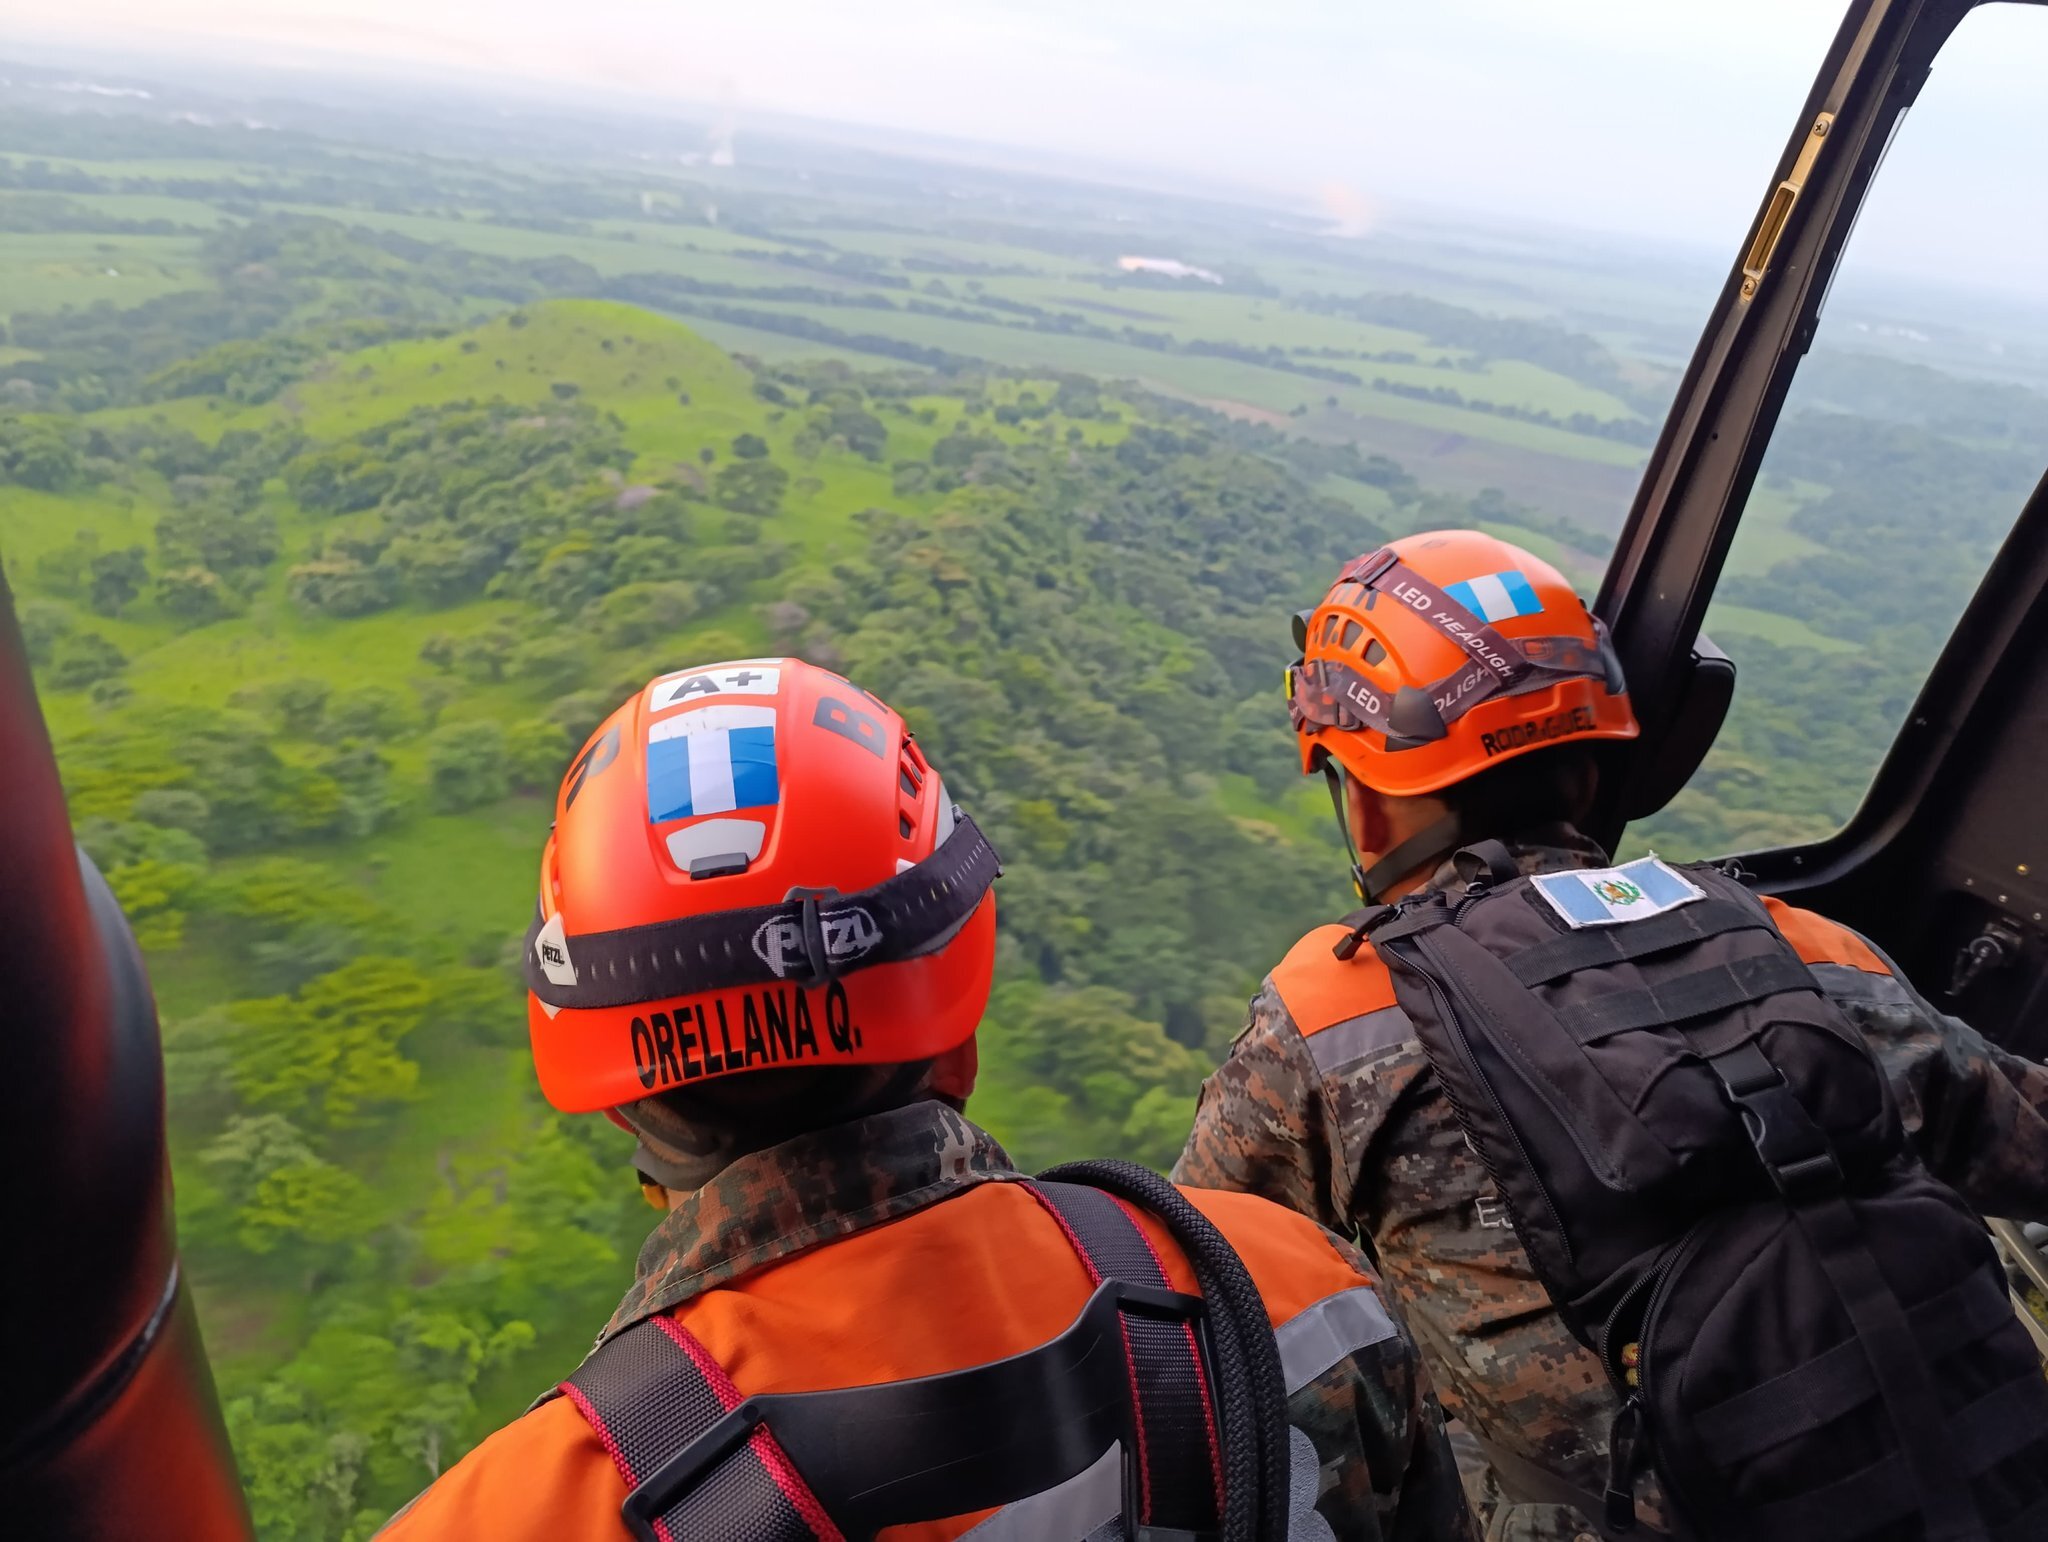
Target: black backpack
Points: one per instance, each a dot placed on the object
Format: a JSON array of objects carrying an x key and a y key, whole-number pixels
[{"x": 1811, "y": 1336}]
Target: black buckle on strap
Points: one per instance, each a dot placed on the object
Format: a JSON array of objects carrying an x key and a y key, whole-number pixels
[
  {"x": 811, "y": 924},
  {"x": 1792, "y": 1148},
  {"x": 654, "y": 1497}
]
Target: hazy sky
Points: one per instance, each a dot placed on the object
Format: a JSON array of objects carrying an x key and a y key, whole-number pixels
[{"x": 1658, "y": 117}]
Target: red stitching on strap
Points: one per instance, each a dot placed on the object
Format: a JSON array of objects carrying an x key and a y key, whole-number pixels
[
  {"x": 1194, "y": 1353},
  {"x": 1130, "y": 1355},
  {"x": 721, "y": 1384},
  {"x": 575, "y": 1395},
  {"x": 766, "y": 1448},
  {"x": 1073, "y": 1241},
  {"x": 771, "y": 1456}
]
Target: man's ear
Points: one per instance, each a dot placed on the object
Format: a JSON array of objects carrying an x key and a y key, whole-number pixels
[{"x": 953, "y": 1073}]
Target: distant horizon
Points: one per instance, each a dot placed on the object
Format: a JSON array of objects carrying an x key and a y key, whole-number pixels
[
  {"x": 1598, "y": 118},
  {"x": 345, "y": 71}
]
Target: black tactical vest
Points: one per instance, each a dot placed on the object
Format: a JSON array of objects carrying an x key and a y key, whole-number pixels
[{"x": 1811, "y": 1336}]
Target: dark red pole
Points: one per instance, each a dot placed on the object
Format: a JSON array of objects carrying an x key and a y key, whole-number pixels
[{"x": 110, "y": 1427}]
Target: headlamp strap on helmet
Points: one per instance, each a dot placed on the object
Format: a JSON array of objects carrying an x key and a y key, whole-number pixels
[
  {"x": 809, "y": 939},
  {"x": 1498, "y": 655}
]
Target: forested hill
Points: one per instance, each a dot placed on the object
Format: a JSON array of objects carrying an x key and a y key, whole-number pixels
[
  {"x": 319, "y": 618},
  {"x": 333, "y": 546}
]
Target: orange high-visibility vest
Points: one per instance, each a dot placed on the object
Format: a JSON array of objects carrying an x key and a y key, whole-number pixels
[{"x": 974, "y": 1278}]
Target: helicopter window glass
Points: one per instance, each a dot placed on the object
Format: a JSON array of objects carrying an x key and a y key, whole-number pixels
[{"x": 1915, "y": 430}]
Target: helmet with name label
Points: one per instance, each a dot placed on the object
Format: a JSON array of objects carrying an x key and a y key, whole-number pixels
[
  {"x": 752, "y": 867},
  {"x": 1443, "y": 654}
]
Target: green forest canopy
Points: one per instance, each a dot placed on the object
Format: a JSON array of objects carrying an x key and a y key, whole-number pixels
[{"x": 322, "y": 606}]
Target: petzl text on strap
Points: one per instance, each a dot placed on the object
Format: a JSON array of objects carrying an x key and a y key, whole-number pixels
[
  {"x": 1174, "y": 1437},
  {"x": 652, "y": 1391},
  {"x": 808, "y": 939}
]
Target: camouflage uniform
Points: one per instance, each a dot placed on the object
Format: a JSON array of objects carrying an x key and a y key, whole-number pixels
[
  {"x": 1387, "y": 1473},
  {"x": 1354, "y": 1130}
]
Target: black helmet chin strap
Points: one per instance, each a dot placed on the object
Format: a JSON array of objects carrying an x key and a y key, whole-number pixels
[
  {"x": 1334, "y": 780},
  {"x": 1437, "y": 840}
]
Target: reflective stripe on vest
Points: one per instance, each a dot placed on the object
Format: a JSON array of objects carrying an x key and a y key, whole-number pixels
[
  {"x": 1313, "y": 1342},
  {"x": 653, "y": 1392},
  {"x": 1345, "y": 1008}
]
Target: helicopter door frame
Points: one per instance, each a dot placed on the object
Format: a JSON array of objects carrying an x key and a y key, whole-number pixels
[{"x": 1672, "y": 547}]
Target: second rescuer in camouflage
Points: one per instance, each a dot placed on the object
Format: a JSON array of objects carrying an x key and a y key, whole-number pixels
[{"x": 1328, "y": 1103}]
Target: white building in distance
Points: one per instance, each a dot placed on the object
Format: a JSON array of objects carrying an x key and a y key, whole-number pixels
[{"x": 1167, "y": 267}]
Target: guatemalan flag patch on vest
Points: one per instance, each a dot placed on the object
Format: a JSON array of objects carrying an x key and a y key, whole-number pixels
[{"x": 1607, "y": 896}]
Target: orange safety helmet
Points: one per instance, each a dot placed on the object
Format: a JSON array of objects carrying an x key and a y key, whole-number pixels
[
  {"x": 752, "y": 866},
  {"x": 1444, "y": 654}
]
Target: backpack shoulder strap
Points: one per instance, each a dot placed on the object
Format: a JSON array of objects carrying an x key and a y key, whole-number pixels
[
  {"x": 701, "y": 1461},
  {"x": 652, "y": 1391},
  {"x": 1179, "y": 1457}
]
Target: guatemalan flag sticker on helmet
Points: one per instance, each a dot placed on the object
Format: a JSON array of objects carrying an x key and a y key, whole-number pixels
[
  {"x": 1607, "y": 896},
  {"x": 711, "y": 761},
  {"x": 1497, "y": 596}
]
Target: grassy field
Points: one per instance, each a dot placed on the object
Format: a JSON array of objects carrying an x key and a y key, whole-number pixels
[
  {"x": 41, "y": 272},
  {"x": 636, "y": 365},
  {"x": 1724, "y": 620},
  {"x": 967, "y": 257}
]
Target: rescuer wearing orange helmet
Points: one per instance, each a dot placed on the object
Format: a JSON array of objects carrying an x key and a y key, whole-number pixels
[
  {"x": 1459, "y": 697},
  {"x": 764, "y": 940}
]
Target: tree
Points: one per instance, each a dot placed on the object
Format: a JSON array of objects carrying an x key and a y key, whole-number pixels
[
  {"x": 374, "y": 712},
  {"x": 152, "y": 894},
  {"x": 573, "y": 573},
  {"x": 237, "y": 546},
  {"x": 115, "y": 578},
  {"x": 339, "y": 586},
  {"x": 62, "y": 569},
  {"x": 194, "y": 594},
  {"x": 36, "y": 453},
  {"x": 175, "y": 808},
  {"x": 84, "y": 659},
  {"x": 750, "y": 447},
  {"x": 271, "y": 1189},
  {"x": 44, "y": 624},
  {"x": 296, "y": 702},
  {"x": 364, "y": 776},
  {"x": 331, "y": 1052},
  {"x": 441, "y": 569},
  {"x": 642, "y": 613},
  {"x": 539, "y": 750},
  {"x": 467, "y": 765},
  {"x": 551, "y": 663},
  {"x": 751, "y": 487},
  {"x": 307, "y": 1202}
]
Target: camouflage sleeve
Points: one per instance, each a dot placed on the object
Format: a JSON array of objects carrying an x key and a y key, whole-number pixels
[
  {"x": 1265, "y": 1124},
  {"x": 1977, "y": 1113},
  {"x": 1388, "y": 1472}
]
